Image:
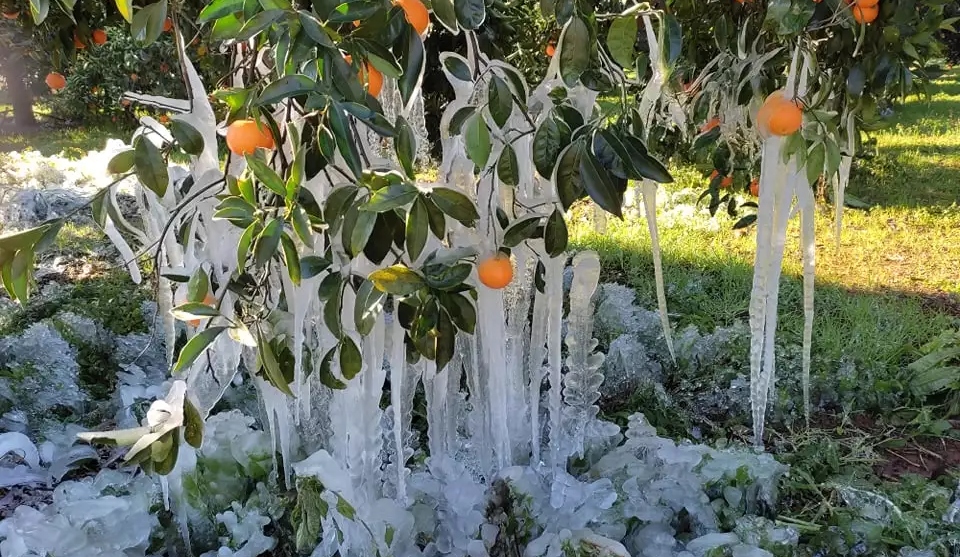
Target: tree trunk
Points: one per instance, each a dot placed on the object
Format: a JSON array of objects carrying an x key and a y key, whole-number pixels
[{"x": 20, "y": 96}]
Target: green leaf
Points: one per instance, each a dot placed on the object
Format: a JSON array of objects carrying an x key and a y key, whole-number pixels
[
  {"x": 390, "y": 198},
  {"x": 413, "y": 60},
  {"x": 405, "y": 145},
  {"x": 446, "y": 14},
  {"x": 291, "y": 258},
  {"x": 147, "y": 25},
  {"x": 382, "y": 59},
  {"x": 373, "y": 119},
  {"x": 267, "y": 242},
  {"x": 258, "y": 23},
  {"x": 642, "y": 162},
  {"x": 459, "y": 117},
  {"x": 520, "y": 230},
  {"x": 219, "y": 8},
  {"x": 20, "y": 274},
  {"x": 446, "y": 340},
  {"x": 499, "y": 100},
  {"x": 745, "y": 221},
  {"x": 397, "y": 280},
  {"x": 198, "y": 286},
  {"x": 568, "y": 180},
  {"x": 814, "y": 164},
  {"x": 151, "y": 168},
  {"x": 477, "y": 139},
  {"x": 344, "y": 508},
  {"x": 287, "y": 86},
  {"x": 39, "y": 9},
  {"x": 456, "y": 205},
  {"x": 196, "y": 346},
  {"x": 243, "y": 247},
  {"x": 367, "y": 307},
  {"x": 193, "y": 425},
  {"x": 187, "y": 136},
  {"x": 267, "y": 176},
  {"x": 457, "y": 68},
  {"x": 344, "y": 135},
  {"x": 312, "y": 265},
  {"x": 333, "y": 308},
  {"x": 356, "y": 10},
  {"x": 327, "y": 378},
  {"x": 416, "y": 229},
  {"x": 549, "y": 139},
  {"x": 436, "y": 218},
  {"x": 226, "y": 28},
  {"x": 508, "y": 169},
  {"x": 620, "y": 40},
  {"x": 301, "y": 225},
  {"x": 441, "y": 276},
  {"x": 832, "y": 156},
  {"x": 575, "y": 50},
  {"x": 671, "y": 38},
  {"x": 362, "y": 230},
  {"x": 598, "y": 184},
  {"x": 192, "y": 311},
  {"x": 270, "y": 365},
  {"x": 314, "y": 29},
  {"x": 125, "y": 7},
  {"x": 351, "y": 362},
  {"x": 470, "y": 13},
  {"x": 555, "y": 234},
  {"x": 461, "y": 311},
  {"x": 122, "y": 162}
]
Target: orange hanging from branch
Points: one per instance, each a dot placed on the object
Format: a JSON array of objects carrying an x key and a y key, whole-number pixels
[
  {"x": 55, "y": 81},
  {"x": 244, "y": 137},
  {"x": 99, "y": 37},
  {"x": 416, "y": 14},
  {"x": 779, "y": 116},
  {"x": 495, "y": 272}
]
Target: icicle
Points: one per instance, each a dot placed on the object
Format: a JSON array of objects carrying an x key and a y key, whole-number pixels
[
  {"x": 807, "y": 228},
  {"x": 490, "y": 335},
  {"x": 538, "y": 351},
  {"x": 554, "y": 295},
  {"x": 843, "y": 176},
  {"x": 165, "y": 492},
  {"x": 650, "y": 206},
  {"x": 126, "y": 254},
  {"x": 398, "y": 363}
]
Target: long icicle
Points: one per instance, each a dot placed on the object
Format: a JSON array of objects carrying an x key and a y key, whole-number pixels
[
  {"x": 807, "y": 230},
  {"x": 843, "y": 176},
  {"x": 650, "y": 206}
]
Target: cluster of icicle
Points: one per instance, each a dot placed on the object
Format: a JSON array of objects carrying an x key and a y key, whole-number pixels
[{"x": 504, "y": 417}]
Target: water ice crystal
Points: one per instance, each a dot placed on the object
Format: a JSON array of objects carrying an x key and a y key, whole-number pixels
[{"x": 108, "y": 515}]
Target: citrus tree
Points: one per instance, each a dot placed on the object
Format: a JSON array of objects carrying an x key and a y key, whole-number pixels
[{"x": 313, "y": 253}]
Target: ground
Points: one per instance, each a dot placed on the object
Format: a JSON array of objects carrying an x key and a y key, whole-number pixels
[{"x": 888, "y": 288}]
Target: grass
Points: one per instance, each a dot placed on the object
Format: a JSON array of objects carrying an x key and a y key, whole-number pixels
[{"x": 71, "y": 143}]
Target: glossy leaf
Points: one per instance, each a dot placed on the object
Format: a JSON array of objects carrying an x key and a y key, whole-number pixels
[
  {"x": 219, "y": 8},
  {"x": 125, "y": 7},
  {"x": 575, "y": 49},
  {"x": 457, "y": 68},
  {"x": 470, "y": 13},
  {"x": 267, "y": 242},
  {"x": 391, "y": 197},
  {"x": 499, "y": 100},
  {"x": 620, "y": 40},
  {"x": 456, "y": 205},
  {"x": 508, "y": 168},
  {"x": 243, "y": 247},
  {"x": 270, "y": 365},
  {"x": 555, "y": 234},
  {"x": 327, "y": 378},
  {"x": 413, "y": 59},
  {"x": 122, "y": 162},
  {"x": 187, "y": 137},
  {"x": 195, "y": 347},
  {"x": 405, "y": 145},
  {"x": 416, "y": 228},
  {"x": 367, "y": 307},
  {"x": 476, "y": 135},
  {"x": 598, "y": 184},
  {"x": 148, "y": 21},
  {"x": 521, "y": 229},
  {"x": 267, "y": 176},
  {"x": 549, "y": 139},
  {"x": 258, "y": 23},
  {"x": 150, "y": 167},
  {"x": 568, "y": 180},
  {"x": 344, "y": 136},
  {"x": 291, "y": 258},
  {"x": 198, "y": 287},
  {"x": 287, "y": 86},
  {"x": 351, "y": 362}
]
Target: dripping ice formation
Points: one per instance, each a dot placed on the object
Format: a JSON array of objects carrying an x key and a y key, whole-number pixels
[{"x": 516, "y": 403}]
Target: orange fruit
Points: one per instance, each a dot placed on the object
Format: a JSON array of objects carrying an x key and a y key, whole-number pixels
[
  {"x": 726, "y": 182},
  {"x": 712, "y": 123},
  {"x": 374, "y": 81},
  {"x": 755, "y": 188},
  {"x": 55, "y": 81},
  {"x": 713, "y": 175},
  {"x": 77, "y": 43},
  {"x": 245, "y": 136},
  {"x": 167, "y": 25},
  {"x": 416, "y": 13},
  {"x": 779, "y": 116},
  {"x": 551, "y": 50},
  {"x": 134, "y": 77},
  {"x": 208, "y": 300},
  {"x": 11, "y": 15},
  {"x": 99, "y": 37},
  {"x": 865, "y": 14},
  {"x": 163, "y": 119},
  {"x": 125, "y": 102},
  {"x": 496, "y": 271}
]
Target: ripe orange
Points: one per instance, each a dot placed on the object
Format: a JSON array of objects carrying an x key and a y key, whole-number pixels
[
  {"x": 865, "y": 14},
  {"x": 163, "y": 119},
  {"x": 125, "y": 102},
  {"x": 755, "y": 188},
  {"x": 167, "y": 25},
  {"x": 55, "y": 81},
  {"x": 11, "y": 15},
  {"x": 779, "y": 116},
  {"x": 726, "y": 182},
  {"x": 709, "y": 125},
  {"x": 245, "y": 136},
  {"x": 551, "y": 50},
  {"x": 208, "y": 300},
  {"x": 374, "y": 79},
  {"x": 416, "y": 13},
  {"x": 713, "y": 175},
  {"x": 77, "y": 43},
  {"x": 99, "y": 37},
  {"x": 134, "y": 77},
  {"x": 495, "y": 271}
]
